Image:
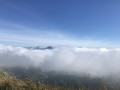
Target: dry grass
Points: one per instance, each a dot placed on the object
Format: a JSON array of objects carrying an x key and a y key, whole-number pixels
[{"x": 8, "y": 82}]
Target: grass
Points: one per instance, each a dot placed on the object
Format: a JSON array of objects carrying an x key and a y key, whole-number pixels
[{"x": 9, "y": 82}]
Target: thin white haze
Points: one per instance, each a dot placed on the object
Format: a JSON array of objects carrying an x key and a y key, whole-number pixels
[{"x": 93, "y": 61}]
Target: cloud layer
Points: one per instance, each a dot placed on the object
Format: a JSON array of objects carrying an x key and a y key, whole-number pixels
[{"x": 93, "y": 61}]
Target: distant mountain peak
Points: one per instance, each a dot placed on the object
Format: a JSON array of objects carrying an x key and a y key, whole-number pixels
[{"x": 40, "y": 48}]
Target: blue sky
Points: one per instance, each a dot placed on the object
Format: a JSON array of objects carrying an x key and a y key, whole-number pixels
[{"x": 87, "y": 23}]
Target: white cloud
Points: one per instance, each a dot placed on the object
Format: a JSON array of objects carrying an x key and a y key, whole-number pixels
[{"x": 74, "y": 60}]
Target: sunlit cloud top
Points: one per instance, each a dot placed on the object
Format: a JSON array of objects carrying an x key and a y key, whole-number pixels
[{"x": 72, "y": 60}]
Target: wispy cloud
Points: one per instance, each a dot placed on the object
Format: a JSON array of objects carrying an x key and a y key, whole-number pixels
[
  {"x": 46, "y": 39},
  {"x": 22, "y": 35}
]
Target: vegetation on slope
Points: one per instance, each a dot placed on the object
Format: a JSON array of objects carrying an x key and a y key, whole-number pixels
[
  {"x": 35, "y": 79},
  {"x": 9, "y": 82}
]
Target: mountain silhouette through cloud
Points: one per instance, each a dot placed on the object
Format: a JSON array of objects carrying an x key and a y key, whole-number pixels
[{"x": 40, "y": 48}]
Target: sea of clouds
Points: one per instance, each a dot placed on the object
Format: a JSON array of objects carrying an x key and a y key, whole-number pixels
[{"x": 93, "y": 61}]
